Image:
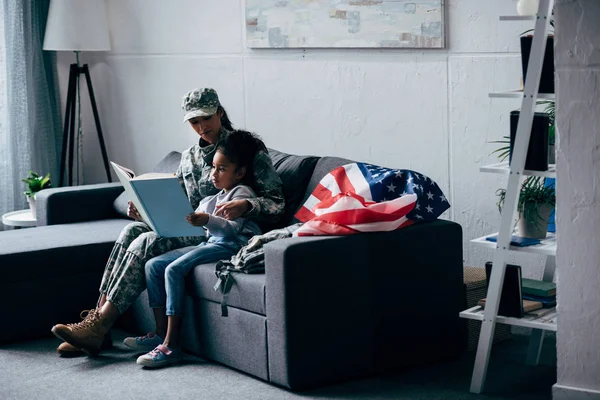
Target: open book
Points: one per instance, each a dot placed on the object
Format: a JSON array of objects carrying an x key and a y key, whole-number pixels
[{"x": 160, "y": 200}]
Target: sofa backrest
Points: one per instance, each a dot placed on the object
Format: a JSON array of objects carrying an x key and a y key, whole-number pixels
[
  {"x": 324, "y": 166},
  {"x": 295, "y": 173},
  {"x": 168, "y": 164}
]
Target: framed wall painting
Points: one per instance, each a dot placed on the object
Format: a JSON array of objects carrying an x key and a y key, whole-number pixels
[{"x": 345, "y": 24}]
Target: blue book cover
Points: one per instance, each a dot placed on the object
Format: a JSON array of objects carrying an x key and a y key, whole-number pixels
[
  {"x": 516, "y": 240},
  {"x": 161, "y": 202},
  {"x": 549, "y": 301}
]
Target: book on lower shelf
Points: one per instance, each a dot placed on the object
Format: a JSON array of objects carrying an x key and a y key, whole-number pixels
[
  {"x": 528, "y": 306},
  {"x": 538, "y": 288},
  {"x": 515, "y": 240},
  {"x": 547, "y": 302},
  {"x": 160, "y": 200}
]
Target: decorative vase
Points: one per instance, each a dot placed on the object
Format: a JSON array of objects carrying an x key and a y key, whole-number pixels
[
  {"x": 537, "y": 151},
  {"x": 547, "y": 78},
  {"x": 537, "y": 230},
  {"x": 31, "y": 201},
  {"x": 527, "y": 7}
]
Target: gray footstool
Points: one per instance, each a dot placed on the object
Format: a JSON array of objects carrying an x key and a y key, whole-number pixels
[{"x": 51, "y": 273}]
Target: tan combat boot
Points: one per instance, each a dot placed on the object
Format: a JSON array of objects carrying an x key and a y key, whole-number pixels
[
  {"x": 86, "y": 335},
  {"x": 67, "y": 350}
]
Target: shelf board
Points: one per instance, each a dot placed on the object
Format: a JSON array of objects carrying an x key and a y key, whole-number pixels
[
  {"x": 503, "y": 168},
  {"x": 547, "y": 247},
  {"x": 517, "y": 94},
  {"x": 546, "y": 322},
  {"x": 518, "y": 17}
]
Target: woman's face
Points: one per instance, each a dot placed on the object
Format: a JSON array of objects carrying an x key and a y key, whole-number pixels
[{"x": 209, "y": 128}]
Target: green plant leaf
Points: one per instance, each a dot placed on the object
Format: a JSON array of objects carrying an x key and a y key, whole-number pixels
[{"x": 532, "y": 196}]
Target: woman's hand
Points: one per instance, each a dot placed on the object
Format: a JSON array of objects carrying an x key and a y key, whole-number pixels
[
  {"x": 132, "y": 212},
  {"x": 197, "y": 219},
  {"x": 232, "y": 209}
]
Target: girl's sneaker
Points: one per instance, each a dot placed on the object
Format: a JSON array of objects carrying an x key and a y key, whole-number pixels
[
  {"x": 143, "y": 343},
  {"x": 161, "y": 356}
]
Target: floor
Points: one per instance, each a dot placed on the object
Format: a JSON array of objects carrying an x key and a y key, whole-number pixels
[{"x": 32, "y": 370}]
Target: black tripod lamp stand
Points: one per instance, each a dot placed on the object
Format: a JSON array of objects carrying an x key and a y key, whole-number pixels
[
  {"x": 69, "y": 126},
  {"x": 77, "y": 25}
]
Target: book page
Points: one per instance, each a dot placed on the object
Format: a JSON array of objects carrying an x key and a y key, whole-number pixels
[
  {"x": 125, "y": 170},
  {"x": 131, "y": 193},
  {"x": 155, "y": 175}
]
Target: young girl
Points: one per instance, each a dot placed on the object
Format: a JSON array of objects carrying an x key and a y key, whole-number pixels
[{"x": 165, "y": 274}]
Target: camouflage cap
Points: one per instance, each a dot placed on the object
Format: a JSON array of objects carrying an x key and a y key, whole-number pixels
[{"x": 200, "y": 103}]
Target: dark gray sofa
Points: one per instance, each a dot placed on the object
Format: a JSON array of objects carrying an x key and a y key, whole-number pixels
[{"x": 327, "y": 309}]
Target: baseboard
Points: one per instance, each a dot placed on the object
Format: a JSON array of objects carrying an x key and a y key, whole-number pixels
[{"x": 562, "y": 392}]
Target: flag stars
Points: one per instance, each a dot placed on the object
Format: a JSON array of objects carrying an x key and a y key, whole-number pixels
[
  {"x": 399, "y": 174},
  {"x": 418, "y": 216},
  {"x": 443, "y": 198},
  {"x": 391, "y": 187},
  {"x": 410, "y": 179},
  {"x": 417, "y": 206},
  {"x": 429, "y": 209},
  {"x": 429, "y": 195}
]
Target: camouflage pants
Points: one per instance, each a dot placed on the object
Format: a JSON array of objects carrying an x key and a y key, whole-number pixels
[{"x": 124, "y": 277}]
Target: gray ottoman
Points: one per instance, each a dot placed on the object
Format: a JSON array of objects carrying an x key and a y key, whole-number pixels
[{"x": 51, "y": 273}]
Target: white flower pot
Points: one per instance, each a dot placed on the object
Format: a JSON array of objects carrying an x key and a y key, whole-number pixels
[
  {"x": 527, "y": 7},
  {"x": 31, "y": 201},
  {"x": 536, "y": 230}
]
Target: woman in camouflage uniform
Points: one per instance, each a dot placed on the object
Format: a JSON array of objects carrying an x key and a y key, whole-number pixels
[{"x": 124, "y": 277}]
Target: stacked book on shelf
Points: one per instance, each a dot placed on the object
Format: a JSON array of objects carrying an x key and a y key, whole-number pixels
[
  {"x": 540, "y": 291},
  {"x": 522, "y": 296}
]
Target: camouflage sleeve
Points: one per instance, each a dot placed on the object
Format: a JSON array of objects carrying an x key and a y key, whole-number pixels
[
  {"x": 270, "y": 204},
  {"x": 179, "y": 175}
]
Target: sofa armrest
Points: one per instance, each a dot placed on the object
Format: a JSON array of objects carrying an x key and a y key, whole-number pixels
[
  {"x": 346, "y": 307},
  {"x": 77, "y": 203}
]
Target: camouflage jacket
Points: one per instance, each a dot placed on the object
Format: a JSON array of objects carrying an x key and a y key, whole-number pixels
[{"x": 194, "y": 176}]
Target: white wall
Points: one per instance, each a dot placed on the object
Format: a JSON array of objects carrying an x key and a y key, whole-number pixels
[
  {"x": 424, "y": 110},
  {"x": 578, "y": 198}
]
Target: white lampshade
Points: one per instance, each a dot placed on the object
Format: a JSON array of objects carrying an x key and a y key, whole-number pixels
[{"x": 77, "y": 25}]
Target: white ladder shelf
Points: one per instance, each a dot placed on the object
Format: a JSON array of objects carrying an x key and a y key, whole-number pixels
[{"x": 489, "y": 316}]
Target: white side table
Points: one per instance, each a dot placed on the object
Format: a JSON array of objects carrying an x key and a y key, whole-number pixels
[{"x": 19, "y": 219}]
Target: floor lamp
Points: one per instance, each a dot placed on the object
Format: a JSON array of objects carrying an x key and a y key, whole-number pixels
[{"x": 77, "y": 25}]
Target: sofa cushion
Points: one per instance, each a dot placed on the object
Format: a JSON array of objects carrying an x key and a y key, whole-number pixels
[
  {"x": 247, "y": 292},
  {"x": 295, "y": 172},
  {"x": 57, "y": 250},
  {"x": 323, "y": 166},
  {"x": 168, "y": 164}
]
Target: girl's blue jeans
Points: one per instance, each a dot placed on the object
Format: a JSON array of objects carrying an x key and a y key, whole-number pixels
[{"x": 165, "y": 274}]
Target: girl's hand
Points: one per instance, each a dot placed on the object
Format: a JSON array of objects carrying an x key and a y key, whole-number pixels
[
  {"x": 232, "y": 209},
  {"x": 132, "y": 212},
  {"x": 197, "y": 219}
]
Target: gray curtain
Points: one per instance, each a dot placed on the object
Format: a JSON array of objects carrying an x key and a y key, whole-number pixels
[{"x": 30, "y": 136}]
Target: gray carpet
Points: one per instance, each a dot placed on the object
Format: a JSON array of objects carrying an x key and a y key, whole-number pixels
[{"x": 32, "y": 370}]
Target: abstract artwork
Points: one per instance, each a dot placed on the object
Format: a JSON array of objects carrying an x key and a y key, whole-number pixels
[{"x": 345, "y": 23}]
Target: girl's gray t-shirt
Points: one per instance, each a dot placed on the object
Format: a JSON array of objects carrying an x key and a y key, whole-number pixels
[{"x": 218, "y": 226}]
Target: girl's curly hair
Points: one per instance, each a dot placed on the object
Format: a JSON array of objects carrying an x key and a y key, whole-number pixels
[{"x": 240, "y": 147}]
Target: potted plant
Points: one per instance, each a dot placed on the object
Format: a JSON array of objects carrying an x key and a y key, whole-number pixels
[
  {"x": 35, "y": 183},
  {"x": 536, "y": 201}
]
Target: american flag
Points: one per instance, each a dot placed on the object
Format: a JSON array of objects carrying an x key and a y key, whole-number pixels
[{"x": 361, "y": 197}]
